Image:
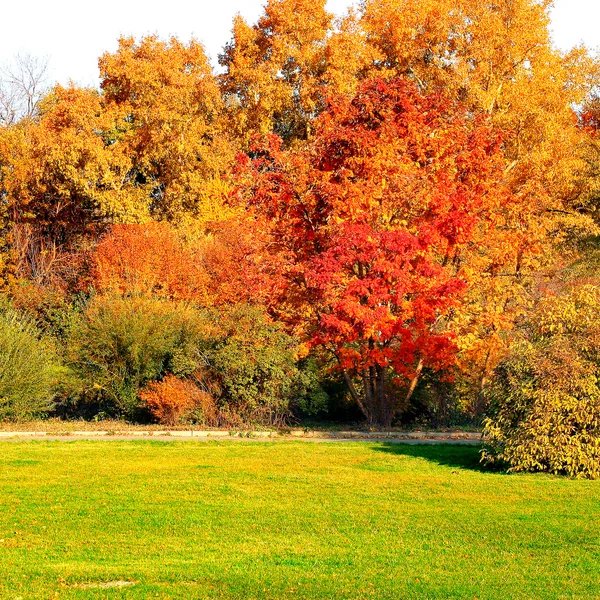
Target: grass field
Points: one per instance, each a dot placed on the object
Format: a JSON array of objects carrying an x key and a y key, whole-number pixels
[{"x": 288, "y": 520}]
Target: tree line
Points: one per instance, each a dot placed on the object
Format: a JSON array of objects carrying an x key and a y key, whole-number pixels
[{"x": 393, "y": 214}]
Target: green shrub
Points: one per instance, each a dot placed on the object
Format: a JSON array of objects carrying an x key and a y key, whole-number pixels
[
  {"x": 28, "y": 368},
  {"x": 253, "y": 364},
  {"x": 545, "y": 398},
  {"x": 314, "y": 400},
  {"x": 235, "y": 355},
  {"x": 119, "y": 344}
]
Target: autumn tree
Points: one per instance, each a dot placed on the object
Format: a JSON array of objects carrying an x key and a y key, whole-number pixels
[
  {"x": 278, "y": 71},
  {"x": 167, "y": 111},
  {"x": 59, "y": 180},
  {"x": 381, "y": 217},
  {"x": 273, "y": 69},
  {"x": 151, "y": 259},
  {"x": 149, "y": 145},
  {"x": 239, "y": 266},
  {"x": 225, "y": 266},
  {"x": 498, "y": 58}
]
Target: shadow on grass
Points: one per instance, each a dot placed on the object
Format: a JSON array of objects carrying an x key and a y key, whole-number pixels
[{"x": 448, "y": 455}]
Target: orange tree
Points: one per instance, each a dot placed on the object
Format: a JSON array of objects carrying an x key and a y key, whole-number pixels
[
  {"x": 385, "y": 219},
  {"x": 167, "y": 112},
  {"x": 226, "y": 266},
  {"x": 498, "y": 58},
  {"x": 151, "y": 259},
  {"x": 278, "y": 71},
  {"x": 275, "y": 68}
]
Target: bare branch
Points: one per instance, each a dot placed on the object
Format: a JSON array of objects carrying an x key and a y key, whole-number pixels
[{"x": 23, "y": 83}]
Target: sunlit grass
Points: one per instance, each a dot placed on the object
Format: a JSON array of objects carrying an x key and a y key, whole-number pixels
[{"x": 288, "y": 520}]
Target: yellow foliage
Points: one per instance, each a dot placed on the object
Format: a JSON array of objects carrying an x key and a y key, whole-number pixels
[
  {"x": 169, "y": 121},
  {"x": 545, "y": 398}
]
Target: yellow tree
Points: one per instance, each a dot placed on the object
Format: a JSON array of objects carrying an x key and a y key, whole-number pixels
[
  {"x": 497, "y": 57},
  {"x": 274, "y": 68},
  {"x": 59, "y": 179},
  {"x": 168, "y": 107},
  {"x": 279, "y": 71}
]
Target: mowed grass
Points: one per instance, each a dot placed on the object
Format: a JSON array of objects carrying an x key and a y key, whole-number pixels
[{"x": 200, "y": 520}]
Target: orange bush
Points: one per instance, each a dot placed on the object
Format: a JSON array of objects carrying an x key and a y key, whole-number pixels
[
  {"x": 174, "y": 400},
  {"x": 148, "y": 259},
  {"x": 227, "y": 265}
]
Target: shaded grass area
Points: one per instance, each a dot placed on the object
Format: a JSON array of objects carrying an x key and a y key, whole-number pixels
[{"x": 288, "y": 520}]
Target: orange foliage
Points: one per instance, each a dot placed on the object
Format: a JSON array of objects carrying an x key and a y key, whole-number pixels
[
  {"x": 174, "y": 400},
  {"x": 148, "y": 259},
  {"x": 227, "y": 266},
  {"x": 56, "y": 176},
  {"x": 239, "y": 266},
  {"x": 275, "y": 68}
]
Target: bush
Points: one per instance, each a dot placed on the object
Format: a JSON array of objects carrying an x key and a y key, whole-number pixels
[
  {"x": 119, "y": 344},
  {"x": 173, "y": 401},
  {"x": 545, "y": 398},
  {"x": 144, "y": 353},
  {"x": 253, "y": 363},
  {"x": 312, "y": 399},
  {"x": 28, "y": 368}
]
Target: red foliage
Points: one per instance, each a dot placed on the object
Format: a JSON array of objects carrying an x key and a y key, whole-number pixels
[
  {"x": 377, "y": 214},
  {"x": 382, "y": 287}
]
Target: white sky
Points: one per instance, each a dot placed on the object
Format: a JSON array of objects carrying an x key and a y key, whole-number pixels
[{"x": 72, "y": 34}]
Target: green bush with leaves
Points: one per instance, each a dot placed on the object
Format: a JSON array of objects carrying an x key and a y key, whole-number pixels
[
  {"x": 253, "y": 362},
  {"x": 118, "y": 344},
  {"x": 314, "y": 400},
  {"x": 545, "y": 398},
  {"x": 29, "y": 368}
]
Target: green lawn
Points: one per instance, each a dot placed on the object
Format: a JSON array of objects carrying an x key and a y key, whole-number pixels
[{"x": 197, "y": 520}]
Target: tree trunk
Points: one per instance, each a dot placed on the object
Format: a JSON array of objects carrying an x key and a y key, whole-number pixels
[
  {"x": 386, "y": 408},
  {"x": 413, "y": 382},
  {"x": 356, "y": 397}
]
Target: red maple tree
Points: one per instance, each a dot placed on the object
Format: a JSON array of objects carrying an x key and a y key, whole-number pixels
[{"x": 379, "y": 215}]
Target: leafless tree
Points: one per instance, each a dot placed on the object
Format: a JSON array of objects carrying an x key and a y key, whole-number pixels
[{"x": 23, "y": 82}]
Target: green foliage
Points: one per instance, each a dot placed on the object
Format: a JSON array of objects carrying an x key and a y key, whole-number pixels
[
  {"x": 28, "y": 368},
  {"x": 545, "y": 398},
  {"x": 439, "y": 402},
  {"x": 254, "y": 363},
  {"x": 315, "y": 399},
  {"x": 235, "y": 355},
  {"x": 118, "y": 344}
]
